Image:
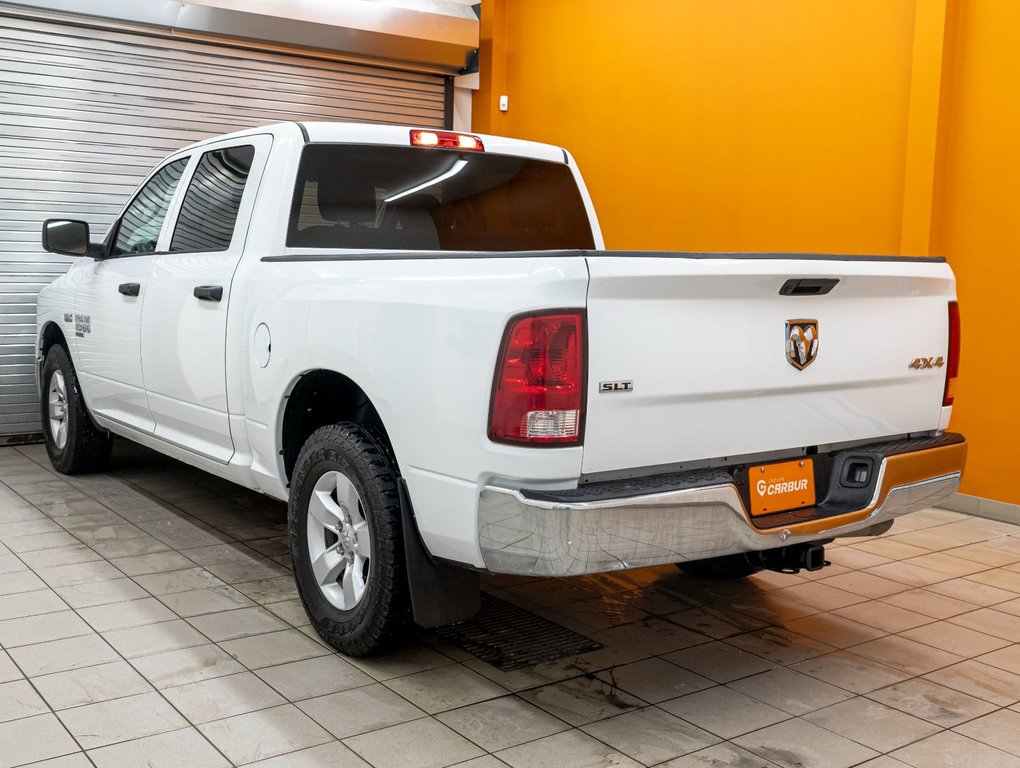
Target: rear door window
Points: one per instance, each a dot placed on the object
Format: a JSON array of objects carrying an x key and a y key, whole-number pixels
[
  {"x": 209, "y": 210},
  {"x": 397, "y": 198}
]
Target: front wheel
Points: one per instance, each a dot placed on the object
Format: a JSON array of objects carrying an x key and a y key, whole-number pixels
[
  {"x": 723, "y": 568},
  {"x": 74, "y": 443},
  {"x": 346, "y": 541}
]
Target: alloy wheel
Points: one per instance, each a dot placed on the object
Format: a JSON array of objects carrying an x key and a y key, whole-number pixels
[
  {"x": 339, "y": 540},
  {"x": 57, "y": 406}
]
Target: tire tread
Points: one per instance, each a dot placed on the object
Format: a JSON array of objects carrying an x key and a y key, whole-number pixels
[
  {"x": 87, "y": 448},
  {"x": 385, "y": 623}
]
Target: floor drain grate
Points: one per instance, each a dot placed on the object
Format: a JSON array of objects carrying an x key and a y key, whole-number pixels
[{"x": 509, "y": 637}]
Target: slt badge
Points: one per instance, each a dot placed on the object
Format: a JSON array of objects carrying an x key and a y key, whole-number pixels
[{"x": 801, "y": 343}]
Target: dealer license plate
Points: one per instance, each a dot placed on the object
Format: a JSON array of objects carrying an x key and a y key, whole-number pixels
[{"x": 780, "y": 487}]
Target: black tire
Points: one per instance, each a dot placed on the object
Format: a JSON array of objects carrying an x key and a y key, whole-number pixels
[
  {"x": 86, "y": 448},
  {"x": 381, "y": 618},
  {"x": 723, "y": 568}
]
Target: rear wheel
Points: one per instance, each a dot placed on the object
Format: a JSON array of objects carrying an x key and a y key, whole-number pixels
[
  {"x": 74, "y": 443},
  {"x": 346, "y": 541},
  {"x": 737, "y": 566}
]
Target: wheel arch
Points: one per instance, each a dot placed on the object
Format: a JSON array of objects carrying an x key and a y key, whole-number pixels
[
  {"x": 51, "y": 333},
  {"x": 319, "y": 397}
]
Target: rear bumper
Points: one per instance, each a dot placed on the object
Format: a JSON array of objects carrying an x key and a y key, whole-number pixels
[{"x": 521, "y": 534}]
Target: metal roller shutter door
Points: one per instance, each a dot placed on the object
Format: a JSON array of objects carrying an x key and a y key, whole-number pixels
[{"x": 85, "y": 113}]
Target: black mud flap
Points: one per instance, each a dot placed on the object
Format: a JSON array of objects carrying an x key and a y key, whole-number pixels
[{"x": 441, "y": 594}]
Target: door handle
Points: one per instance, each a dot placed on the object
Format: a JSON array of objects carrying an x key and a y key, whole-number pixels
[
  {"x": 209, "y": 292},
  {"x": 129, "y": 289}
]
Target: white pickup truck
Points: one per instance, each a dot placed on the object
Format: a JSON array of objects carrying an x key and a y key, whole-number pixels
[{"x": 417, "y": 338}]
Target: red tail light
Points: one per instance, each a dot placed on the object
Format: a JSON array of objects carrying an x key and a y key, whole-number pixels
[
  {"x": 446, "y": 140},
  {"x": 953, "y": 355},
  {"x": 538, "y": 394}
]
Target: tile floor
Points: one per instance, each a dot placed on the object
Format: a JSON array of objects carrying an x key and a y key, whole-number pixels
[{"x": 148, "y": 618}]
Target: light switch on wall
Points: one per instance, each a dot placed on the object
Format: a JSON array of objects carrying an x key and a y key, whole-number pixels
[{"x": 504, "y": 103}]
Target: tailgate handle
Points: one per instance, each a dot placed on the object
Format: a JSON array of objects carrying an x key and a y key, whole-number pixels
[
  {"x": 808, "y": 286},
  {"x": 129, "y": 289}
]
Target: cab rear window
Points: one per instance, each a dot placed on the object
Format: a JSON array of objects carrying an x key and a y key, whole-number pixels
[{"x": 396, "y": 198}]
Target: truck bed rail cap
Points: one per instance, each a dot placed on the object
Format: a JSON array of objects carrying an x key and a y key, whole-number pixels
[{"x": 352, "y": 255}]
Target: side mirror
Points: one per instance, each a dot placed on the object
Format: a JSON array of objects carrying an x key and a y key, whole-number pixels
[{"x": 66, "y": 237}]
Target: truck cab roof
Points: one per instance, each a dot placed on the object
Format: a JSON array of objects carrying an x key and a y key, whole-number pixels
[{"x": 336, "y": 132}]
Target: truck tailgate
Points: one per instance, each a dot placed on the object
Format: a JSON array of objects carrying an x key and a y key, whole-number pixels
[{"x": 703, "y": 341}]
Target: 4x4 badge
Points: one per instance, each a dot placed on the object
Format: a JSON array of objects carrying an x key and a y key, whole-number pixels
[{"x": 801, "y": 343}]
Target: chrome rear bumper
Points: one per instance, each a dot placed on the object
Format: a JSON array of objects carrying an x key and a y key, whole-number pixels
[{"x": 522, "y": 535}]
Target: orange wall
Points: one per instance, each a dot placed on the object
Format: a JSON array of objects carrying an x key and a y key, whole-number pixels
[
  {"x": 846, "y": 126},
  {"x": 730, "y": 123},
  {"x": 976, "y": 224}
]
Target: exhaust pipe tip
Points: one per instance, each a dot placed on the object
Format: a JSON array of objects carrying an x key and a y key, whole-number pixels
[{"x": 794, "y": 559}]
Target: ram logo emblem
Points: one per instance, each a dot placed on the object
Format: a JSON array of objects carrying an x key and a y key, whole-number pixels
[{"x": 801, "y": 342}]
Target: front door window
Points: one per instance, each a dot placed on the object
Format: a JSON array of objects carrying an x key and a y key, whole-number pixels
[{"x": 143, "y": 219}]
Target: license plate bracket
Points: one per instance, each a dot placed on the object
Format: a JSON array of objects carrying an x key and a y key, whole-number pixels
[{"x": 781, "y": 487}]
